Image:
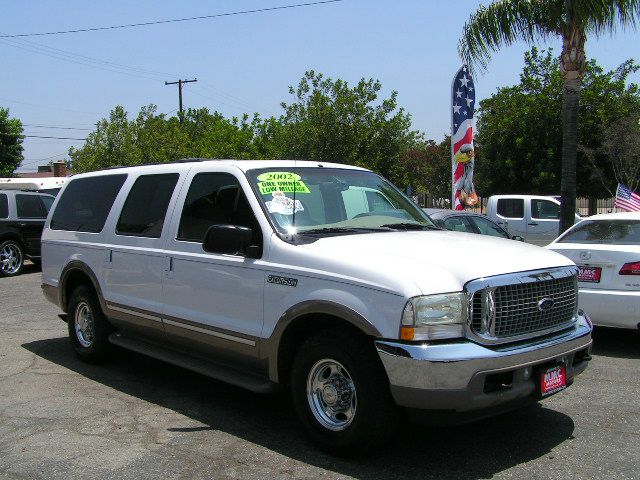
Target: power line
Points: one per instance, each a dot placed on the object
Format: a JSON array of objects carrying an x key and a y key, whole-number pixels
[
  {"x": 55, "y": 127},
  {"x": 175, "y": 20}
]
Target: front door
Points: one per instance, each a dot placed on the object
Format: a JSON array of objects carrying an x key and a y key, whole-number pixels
[{"x": 213, "y": 303}]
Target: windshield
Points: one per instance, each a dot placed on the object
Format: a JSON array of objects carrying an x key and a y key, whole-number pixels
[
  {"x": 613, "y": 232},
  {"x": 333, "y": 200}
]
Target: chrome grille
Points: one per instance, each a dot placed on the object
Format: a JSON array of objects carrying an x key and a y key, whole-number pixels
[{"x": 517, "y": 309}]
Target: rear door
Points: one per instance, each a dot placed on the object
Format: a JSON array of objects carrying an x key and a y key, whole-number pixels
[
  {"x": 136, "y": 261},
  {"x": 31, "y": 212},
  {"x": 542, "y": 227},
  {"x": 510, "y": 214}
]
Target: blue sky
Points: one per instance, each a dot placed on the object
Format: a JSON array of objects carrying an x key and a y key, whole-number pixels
[{"x": 243, "y": 63}]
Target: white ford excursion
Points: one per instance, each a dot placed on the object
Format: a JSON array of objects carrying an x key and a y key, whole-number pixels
[{"x": 319, "y": 277}]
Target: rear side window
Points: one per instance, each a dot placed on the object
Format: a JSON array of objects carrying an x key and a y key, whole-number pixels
[
  {"x": 612, "y": 232},
  {"x": 86, "y": 202},
  {"x": 488, "y": 228},
  {"x": 4, "y": 206},
  {"x": 545, "y": 210},
  {"x": 457, "y": 224},
  {"x": 48, "y": 201},
  {"x": 511, "y": 207},
  {"x": 30, "y": 206},
  {"x": 145, "y": 209}
]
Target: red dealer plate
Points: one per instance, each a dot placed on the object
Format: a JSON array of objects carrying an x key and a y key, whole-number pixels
[
  {"x": 589, "y": 274},
  {"x": 553, "y": 380}
]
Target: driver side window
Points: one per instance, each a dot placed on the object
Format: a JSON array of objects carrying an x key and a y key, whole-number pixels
[{"x": 216, "y": 199}]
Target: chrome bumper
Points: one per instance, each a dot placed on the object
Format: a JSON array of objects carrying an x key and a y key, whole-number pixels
[{"x": 456, "y": 375}]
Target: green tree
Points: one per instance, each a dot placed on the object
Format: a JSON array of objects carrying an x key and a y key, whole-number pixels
[
  {"x": 10, "y": 143},
  {"x": 504, "y": 22},
  {"x": 427, "y": 168},
  {"x": 520, "y": 128},
  {"x": 332, "y": 121}
]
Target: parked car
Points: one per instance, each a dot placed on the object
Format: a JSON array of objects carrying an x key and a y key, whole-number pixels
[
  {"x": 606, "y": 249},
  {"x": 465, "y": 221},
  {"x": 532, "y": 217},
  {"x": 22, "y": 216},
  {"x": 273, "y": 274}
]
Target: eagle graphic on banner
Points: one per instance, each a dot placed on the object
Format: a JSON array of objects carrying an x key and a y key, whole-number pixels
[{"x": 462, "y": 130}]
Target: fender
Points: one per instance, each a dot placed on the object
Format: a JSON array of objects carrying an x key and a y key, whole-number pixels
[
  {"x": 271, "y": 345},
  {"x": 64, "y": 276}
]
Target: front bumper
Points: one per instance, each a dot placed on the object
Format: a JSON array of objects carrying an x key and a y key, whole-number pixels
[{"x": 464, "y": 376}]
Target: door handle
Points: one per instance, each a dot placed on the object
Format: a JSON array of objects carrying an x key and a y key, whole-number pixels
[{"x": 532, "y": 224}]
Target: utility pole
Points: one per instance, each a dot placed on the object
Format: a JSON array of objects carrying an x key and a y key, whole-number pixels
[{"x": 179, "y": 83}]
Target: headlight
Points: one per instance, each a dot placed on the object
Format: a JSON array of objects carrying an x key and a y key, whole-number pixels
[{"x": 433, "y": 317}]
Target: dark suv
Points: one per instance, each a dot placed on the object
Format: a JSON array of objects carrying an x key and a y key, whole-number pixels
[{"x": 22, "y": 216}]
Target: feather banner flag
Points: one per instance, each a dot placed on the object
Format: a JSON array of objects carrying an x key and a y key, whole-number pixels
[{"x": 463, "y": 97}]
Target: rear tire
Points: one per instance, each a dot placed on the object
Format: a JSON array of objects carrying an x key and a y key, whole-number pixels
[
  {"x": 341, "y": 393},
  {"x": 11, "y": 258},
  {"x": 88, "y": 327}
]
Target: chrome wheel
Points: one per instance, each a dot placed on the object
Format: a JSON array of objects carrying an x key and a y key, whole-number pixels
[
  {"x": 331, "y": 394},
  {"x": 10, "y": 258},
  {"x": 83, "y": 323}
]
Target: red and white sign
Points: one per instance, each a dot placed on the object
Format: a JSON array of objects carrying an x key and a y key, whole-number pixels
[
  {"x": 589, "y": 274},
  {"x": 553, "y": 380}
]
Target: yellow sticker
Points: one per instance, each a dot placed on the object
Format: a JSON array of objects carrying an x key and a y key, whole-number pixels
[
  {"x": 277, "y": 176},
  {"x": 285, "y": 186}
]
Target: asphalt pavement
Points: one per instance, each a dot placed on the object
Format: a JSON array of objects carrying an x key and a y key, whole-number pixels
[{"x": 139, "y": 418}]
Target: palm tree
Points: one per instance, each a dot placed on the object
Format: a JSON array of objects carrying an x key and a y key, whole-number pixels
[{"x": 507, "y": 21}]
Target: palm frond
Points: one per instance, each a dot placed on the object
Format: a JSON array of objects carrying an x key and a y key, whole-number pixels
[
  {"x": 599, "y": 17},
  {"x": 505, "y": 22}
]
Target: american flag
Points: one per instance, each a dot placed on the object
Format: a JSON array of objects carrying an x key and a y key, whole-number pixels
[
  {"x": 462, "y": 128},
  {"x": 626, "y": 199}
]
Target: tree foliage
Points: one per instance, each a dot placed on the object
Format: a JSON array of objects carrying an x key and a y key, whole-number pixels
[
  {"x": 520, "y": 129},
  {"x": 10, "y": 143}
]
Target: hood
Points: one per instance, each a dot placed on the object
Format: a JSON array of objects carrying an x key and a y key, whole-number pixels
[{"x": 433, "y": 261}]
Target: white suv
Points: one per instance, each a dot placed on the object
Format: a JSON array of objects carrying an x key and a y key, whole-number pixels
[{"x": 320, "y": 277}]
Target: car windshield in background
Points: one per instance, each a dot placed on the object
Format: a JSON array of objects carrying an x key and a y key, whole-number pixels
[
  {"x": 333, "y": 201},
  {"x": 614, "y": 232}
]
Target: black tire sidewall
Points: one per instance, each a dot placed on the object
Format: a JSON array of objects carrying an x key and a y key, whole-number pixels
[
  {"x": 370, "y": 426},
  {"x": 19, "y": 245},
  {"x": 99, "y": 348}
]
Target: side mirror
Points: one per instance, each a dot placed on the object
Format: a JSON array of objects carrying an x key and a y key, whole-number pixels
[
  {"x": 227, "y": 239},
  {"x": 517, "y": 238}
]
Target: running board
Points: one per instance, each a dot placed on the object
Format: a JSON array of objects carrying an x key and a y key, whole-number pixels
[{"x": 215, "y": 370}]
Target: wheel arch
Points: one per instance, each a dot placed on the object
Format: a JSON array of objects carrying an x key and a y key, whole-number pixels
[
  {"x": 302, "y": 320},
  {"x": 74, "y": 274}
]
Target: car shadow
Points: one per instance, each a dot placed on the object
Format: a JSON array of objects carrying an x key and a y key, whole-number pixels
[
  {"x": 477, "y": 450},
  {"x": 616, "y": 342}
]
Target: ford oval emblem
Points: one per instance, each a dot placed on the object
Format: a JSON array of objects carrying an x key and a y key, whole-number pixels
[{"x": 546, "y": 304}]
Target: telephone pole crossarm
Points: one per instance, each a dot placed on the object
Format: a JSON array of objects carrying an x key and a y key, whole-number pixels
[{"x": 180, "y": 82}]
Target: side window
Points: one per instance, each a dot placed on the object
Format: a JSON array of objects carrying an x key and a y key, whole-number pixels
[
  {"x": 378, "y": 202},
  {"x": 4, "y": 206},
  {"x": 30, "y": 206},
  {"x": 545, "y": 210},
  {"x": 362, "y": 201},
  {"x": 86, "y": 203},
  {"x": 145, "y": 209},
  {"x": 488, "y": 228},
  {"x": 457, "y": 224},
  {"x": 511, "y": 207},
  {"x": 215, "y": 199}
]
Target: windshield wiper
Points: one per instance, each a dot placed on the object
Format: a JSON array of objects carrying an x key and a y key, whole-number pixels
[
  {"x": 339, "y": 230},
  {"x": 409, "y": 226}
]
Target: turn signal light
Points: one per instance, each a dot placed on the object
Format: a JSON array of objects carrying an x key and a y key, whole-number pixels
[
  {"x": 630, "y": 269},
  {"x": 407, "y": 333}
]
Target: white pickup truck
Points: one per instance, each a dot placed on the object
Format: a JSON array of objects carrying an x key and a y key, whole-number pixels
[{"x": 532, "y": 217}]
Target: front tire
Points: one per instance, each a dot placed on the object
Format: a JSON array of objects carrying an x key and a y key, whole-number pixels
[
  {"x": 11, "y": 258},
  {"x": 341, "y": 394},
  {"x": 88, "y": 327}
]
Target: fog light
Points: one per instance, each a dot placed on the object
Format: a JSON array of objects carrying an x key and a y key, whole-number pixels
[{"x": 526, "y": 374}]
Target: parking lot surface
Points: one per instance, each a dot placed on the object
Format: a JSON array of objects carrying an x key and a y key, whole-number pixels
[{"x": 139, "y": 418}]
